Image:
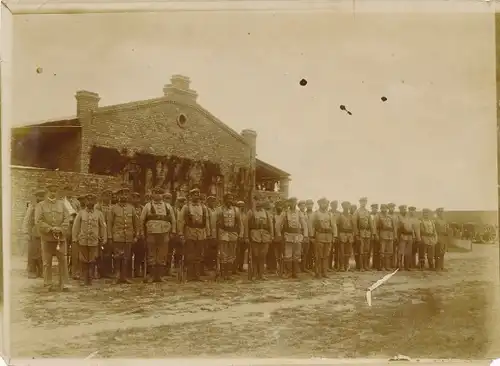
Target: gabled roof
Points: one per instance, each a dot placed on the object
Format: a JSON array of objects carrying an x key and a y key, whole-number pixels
[
  {"x": 267, "y": 170},
  {"x": 64, "y": 124}
]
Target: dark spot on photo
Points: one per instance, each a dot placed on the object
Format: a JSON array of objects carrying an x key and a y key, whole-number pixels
[
  {"x": 39, "y": 70},
  {"x": 383, "y": 99},
  {"x": 303, "y": 82},
  {"x": 342, "y": 107}
]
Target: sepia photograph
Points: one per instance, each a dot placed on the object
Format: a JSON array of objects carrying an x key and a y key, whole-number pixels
[{"x": 309, "y": 184}]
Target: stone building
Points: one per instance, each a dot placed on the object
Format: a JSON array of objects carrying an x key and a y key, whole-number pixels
[{"x": 170, "y": 141}]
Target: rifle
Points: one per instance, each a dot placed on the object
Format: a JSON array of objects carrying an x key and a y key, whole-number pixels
[{"x": 181, "y": 276}]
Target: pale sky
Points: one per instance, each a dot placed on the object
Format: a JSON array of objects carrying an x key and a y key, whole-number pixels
[{"x": 433, "y": 143}]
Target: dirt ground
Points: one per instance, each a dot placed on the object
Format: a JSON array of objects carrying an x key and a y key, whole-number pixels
[{"x": 418, "y": 314}]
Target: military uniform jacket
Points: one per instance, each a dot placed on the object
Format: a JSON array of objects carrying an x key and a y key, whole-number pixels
[
  {"x": 416, "y": 228},
  {"x": 260, "y": 226},
  {"x": 29, "y": 227},
  {"x": 363, "y": 223},
  {"x": 278, "y": 226},
  {"x": 194, "y": 221},
  {"x": 229, "y": 224},
  {"x": 374, "y": 219},
  {"x": 428, "y": 232},
  {"x": 104, "y": 208},
  {"x": 442, "y": 227},
  {"x": 89, "y": 228},
  {"x": 49, "y": 214},
  {"x": 212, "y": 218},
  {"x": 323, "y": 227},
  {"x": 162, "y": 221},
  {"x": 406, "y": 229},
  {"x": 293, "y": 226},
  {"x": 386, "y": 226},
  {"x": 122, "y": 224}
]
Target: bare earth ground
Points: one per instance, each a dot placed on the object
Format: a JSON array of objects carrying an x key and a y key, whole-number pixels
[{"x": 418, "y": 314}]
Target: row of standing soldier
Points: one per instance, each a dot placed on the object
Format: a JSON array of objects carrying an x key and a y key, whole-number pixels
[{"x": 196, "y": 236}]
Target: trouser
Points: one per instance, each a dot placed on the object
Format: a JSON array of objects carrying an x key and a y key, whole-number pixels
[
  {"x": 292, "y": 252},
  {"x": 333, "y": 258},
  {"x": 395, "y": 253},
  {"x": 35, "y": 263},
  {"x": 105, "y": 261},
  {"x": 271, "y": 257},
  {"x": 49, "y": 250},
  {"x": 122, "y": 252},
  {"x": 75, "y": 262},
  {"x": 322, "y": 254},
  {"x": 405, "y": 250},
  {"x": 440, "y": 251},
  {"x": 241, "y": 248},
  {"x": 174, "y": 252},
  {"x": 414, "y": 254},
  {"x": 259, "y": 255},
  {"x": 386, "y": 253},
  {"x": 210, "y": 254},
  {"x": 87, "y": 256},
  {"x": 361, "y": 252},
  {"x": 377, "y": 255},
  {"x": 139, "y": 255},
  {"x": 193, "y": 255},
  {"x": 346, "y": 242},
  {"x": 157, "y": 252},
  {"x": 279, "y": 254},
  {"x": 426, "y": 252},
  {"x": 306, "y": 256}
]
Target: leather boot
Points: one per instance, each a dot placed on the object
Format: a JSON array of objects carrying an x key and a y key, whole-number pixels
[
  {"x": 157, "y": 273},
  {"x": 346, "y": 262},
  {"x": 84, "y": 270},
  {"x": 358, "y": 264},
  {"x": 261, "y": 262},
  {"x": 295, "y": 268},
  {"x": 317, "y": 269},
  {"x": 421, "y": 264},
  {"x": 31, "y": 269},
  {"x": 407, "y": 262},
  {"x": 387, "y": 263},
  {"x": 431, "y": 263}
]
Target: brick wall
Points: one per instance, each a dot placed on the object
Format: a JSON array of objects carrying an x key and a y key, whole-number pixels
[
  {"x": 26, "y": 180},
  {"x": 152, "y": 126}
]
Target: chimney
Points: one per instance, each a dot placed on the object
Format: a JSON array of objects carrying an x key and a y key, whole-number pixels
[
  {"x": 86, "y": 102},
  {"x": 179, "y": 89},
  {"x": 250, "y": 137}
]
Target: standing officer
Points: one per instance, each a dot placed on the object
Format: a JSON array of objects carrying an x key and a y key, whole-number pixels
[
  {"x": 363, "y": 227},
  {"x": 406, "y": 233},
  {"x": 229, "y": 229},
  {"x": 139, "y": 247},
  {"x": 123, "y": 231},
  {"x": 429, "y": 239},
  {"x": 443, "y": 232},
  {"x": 211, "y": 250},
  {"x": 375, "y": 244},
  {"x": 194, "y": 226},
  {"x": 52, "y": 221},
  {"x": 277, "y": 246},
  {"x": 416, "y": 237},
  {"x": 308, "y": 248},
  {"x": 386, "y": 226},
  {"x": 242, "y": 244},
  {"x": 260, "y": 234},
  {"x": 35, "y": 263},
  {"x": 391, "y": 207},
  {"x": 105, "y": 261},
  {"x": 88, "y": 234},
  {"x": 345, "y": 227},
  {"x": 334, "y": 257},
  {"x": 294, "y": 227},
  {"x": 323, "y": 230},
  {"x": 158, "y": 219},
  {"x": 176, "y": 245}
]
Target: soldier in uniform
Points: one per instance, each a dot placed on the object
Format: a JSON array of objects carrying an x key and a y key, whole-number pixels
[
  {"x": 158, "y": 219},
  {"x": 52, "y": 221},
  {"x": 308, "y": 249},
  {"x": 139, "y": 247},
  {"x": 416, "y": 238},
  {"x": 375, "y": 245},
  {"x": 323, "y": 230},
  {"x": 230, "y": 229},
  {"x": 295, "y": 231},
  {"x": 276, "y": 247},
  {"x": 391, "y": 212},
  {"x": 345, "y": 227},
  {"x": 89, "y": 232},
  {"x": 334, "y": 258},
  {"x": 386, "y": 226},
  {"x": 353, "y": 209},
  {"x": 443, "y": 232},
  {"x": 176, "y": 245},
  {"x": 167, "y": 198},
  {"x": 105, "y": 261},
  {"x": 364, "y": 230},
  {"x": 35, "y": 263},
  {"x": 211, "y": 250},
  {"x": 260, "y": 233},
  {"x": 406, "y": 234},
  {"x": 429, "y": 239},
  {"x": 194, "y": 226},
  {"x": 242, "y": 244},
  {"x": 123, "y": 231}
]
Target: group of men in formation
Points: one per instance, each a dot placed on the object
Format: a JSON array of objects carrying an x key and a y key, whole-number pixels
[{"x": 119, "y": 235}]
